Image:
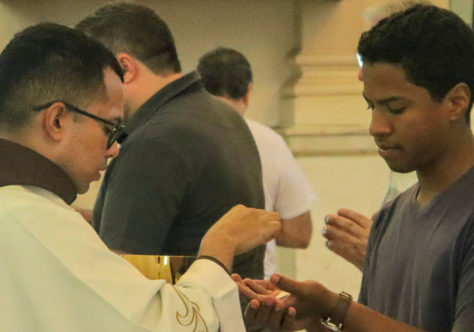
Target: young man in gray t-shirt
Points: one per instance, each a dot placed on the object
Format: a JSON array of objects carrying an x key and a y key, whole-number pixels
[{"x": 418, "y": 76}]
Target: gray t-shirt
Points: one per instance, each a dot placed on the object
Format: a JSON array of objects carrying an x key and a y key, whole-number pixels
[{"x": 420, "y": 259}]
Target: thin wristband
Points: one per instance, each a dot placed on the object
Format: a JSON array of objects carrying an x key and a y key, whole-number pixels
[{"x": 215, "y": 260}]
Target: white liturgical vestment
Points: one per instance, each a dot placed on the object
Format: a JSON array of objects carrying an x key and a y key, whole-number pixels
[{"x": 57, "y": 275}]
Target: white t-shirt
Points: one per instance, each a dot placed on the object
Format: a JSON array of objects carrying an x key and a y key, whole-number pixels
[
  {"x": 57, "y": 275},
  {"x": 286, "y": 188}
]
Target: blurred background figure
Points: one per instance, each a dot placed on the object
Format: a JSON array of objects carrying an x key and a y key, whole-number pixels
[{"x": 226, "y": 73}]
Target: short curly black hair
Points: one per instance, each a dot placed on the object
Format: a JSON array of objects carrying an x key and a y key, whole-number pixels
[{"x": 433, "y": 45}]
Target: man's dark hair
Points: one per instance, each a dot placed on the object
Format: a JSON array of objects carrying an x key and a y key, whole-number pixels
[
  {"x": 47, "y": 62},
  {"x": 433, "y": 45},
  {"x": 136, "y": 30},
  {"x": 225, "y": 72}
]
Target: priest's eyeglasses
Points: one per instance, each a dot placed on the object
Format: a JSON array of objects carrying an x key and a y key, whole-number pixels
[{"x": 113, "y": 129}]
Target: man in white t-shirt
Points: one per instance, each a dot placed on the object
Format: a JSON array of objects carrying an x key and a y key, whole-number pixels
[{"x": 226, "y": 73}]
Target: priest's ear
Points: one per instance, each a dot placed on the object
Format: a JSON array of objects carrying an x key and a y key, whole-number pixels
[
  {"x": 53, "y": 120},
  {"x": 129, "y": 66}
]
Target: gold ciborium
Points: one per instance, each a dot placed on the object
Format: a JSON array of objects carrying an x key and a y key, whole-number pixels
[{"x": 169, "y": 268}]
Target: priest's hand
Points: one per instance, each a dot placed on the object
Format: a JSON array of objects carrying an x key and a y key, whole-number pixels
[{"x": 239, "y": 230}]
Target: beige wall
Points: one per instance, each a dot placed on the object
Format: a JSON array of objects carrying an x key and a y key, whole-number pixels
[
  {"x": 463, "y": 8},
  {"x": 11, "y": 20},
  {"x": 357, "y": 182}
]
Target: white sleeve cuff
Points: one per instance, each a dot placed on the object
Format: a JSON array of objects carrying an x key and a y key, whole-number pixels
[{"x": 225, "y": 297}]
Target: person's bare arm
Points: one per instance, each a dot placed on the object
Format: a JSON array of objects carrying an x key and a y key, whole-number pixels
[
  {"x": 295, "y": 232},
  {"x": 347, "y": 234},
  {"x": 238, "y": 231}
]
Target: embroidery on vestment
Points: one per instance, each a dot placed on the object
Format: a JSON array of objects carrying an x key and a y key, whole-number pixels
[{"x": 192, "y": 315}]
